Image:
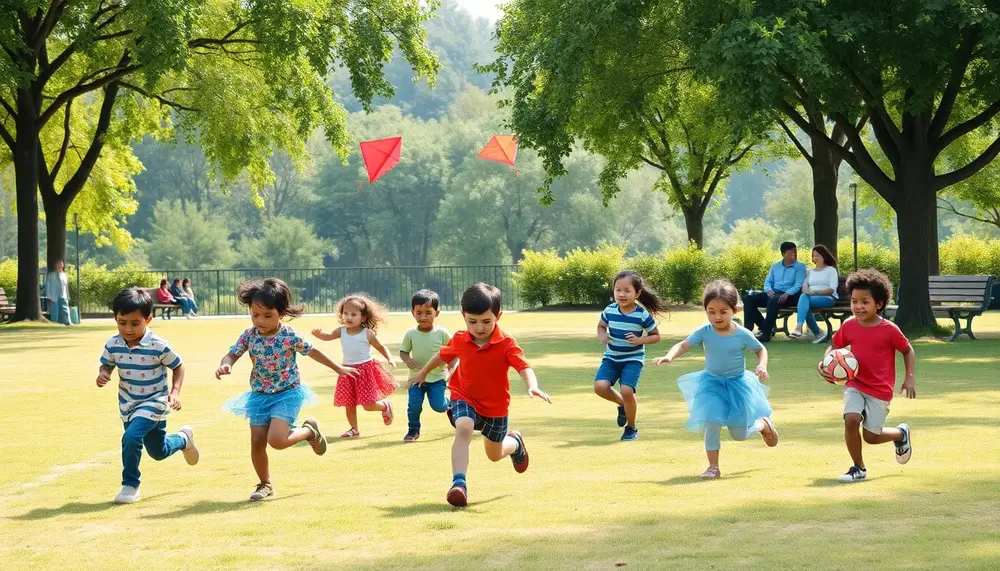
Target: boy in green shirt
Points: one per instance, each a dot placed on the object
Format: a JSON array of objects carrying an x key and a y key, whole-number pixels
[{"x": 419, "y": 345}]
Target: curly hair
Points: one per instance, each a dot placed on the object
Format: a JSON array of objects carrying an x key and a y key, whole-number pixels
[
  {"x": 272, "y": 293},
  {"x": 374, "y": 313},
  {"x": 873, "y": 281}
]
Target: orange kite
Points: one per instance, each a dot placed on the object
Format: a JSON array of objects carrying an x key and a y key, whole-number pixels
[{"x": 502, "y": 149}]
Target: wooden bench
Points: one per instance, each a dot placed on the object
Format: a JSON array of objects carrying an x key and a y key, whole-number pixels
[
  {"x": 166, "y": 309},
  {"x": 958, "y": 297},
  {"x": 6, "y": 309},
  {"x": 840, "y": 311}
]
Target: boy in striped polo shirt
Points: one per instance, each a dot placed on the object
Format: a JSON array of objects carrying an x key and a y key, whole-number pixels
[{"x": 142, "y": 359}]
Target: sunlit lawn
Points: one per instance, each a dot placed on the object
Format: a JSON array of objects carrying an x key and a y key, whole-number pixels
[{"x": 588, "y": 500}]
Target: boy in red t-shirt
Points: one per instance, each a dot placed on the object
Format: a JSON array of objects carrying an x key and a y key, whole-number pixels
[
  {"x": 480, "y": 390},
  {"x": 874, "y": 340}
]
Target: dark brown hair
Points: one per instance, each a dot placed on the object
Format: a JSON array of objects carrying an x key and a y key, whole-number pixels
[
  {"x": 374, "y": 313},
  {"x": 720, "y": 289},
  {"x": 480, "y": 298},
  {"x": 647, "y": 295},
  {"x": 828, "y": 258},
  {"x": 272, "y": 293},
  {"x": 873, "y": 281}
]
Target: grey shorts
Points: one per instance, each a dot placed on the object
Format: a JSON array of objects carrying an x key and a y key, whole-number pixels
[{"x": 873, "y": 411}]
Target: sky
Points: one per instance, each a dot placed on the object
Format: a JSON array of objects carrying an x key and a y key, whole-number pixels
[{"x": 483, "y": 8}]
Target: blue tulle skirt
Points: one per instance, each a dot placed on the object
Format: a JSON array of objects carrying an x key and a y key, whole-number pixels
[
  {"x": 260, "y": 408},
  {"x": 734, "y": 401}
]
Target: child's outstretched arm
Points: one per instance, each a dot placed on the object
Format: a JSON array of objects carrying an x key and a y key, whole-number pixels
[
  {"x": 761, "y": 370},
  {"x": 174, "y": 398},
  {"x": 319, "y": 334},
  {"x": 420, "y": 376},
  {"x": 674, "y": 352},
  {"x": 409, "y": 361},
  {"x": 910, "y": 383},
  {"x": 226, "y": 366},
  {"x": 531, "y": 382},
  {"x": 321, "y": 358},
  {"x": 104, "y": 375},
  {"x": 373, "y": 339},
  {"x": 652, "y": 336}
]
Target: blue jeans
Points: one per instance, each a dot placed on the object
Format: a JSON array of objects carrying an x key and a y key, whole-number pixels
[
  {"x": 143, "y": 431},
  {"x": 59, "y": 311},
  {"x": 435, "y": 398},
  {"x": 187, "y": 305},
  {"x": 808, "y": 302}
]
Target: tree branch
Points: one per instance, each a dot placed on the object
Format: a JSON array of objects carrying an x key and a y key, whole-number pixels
[
  {"x": 966, "y": 127},
  {"x": 65, "y": 143},
  {"x": 739, "y": 157},
  {"x": 962, "y": 59},
  {"x": 795, "y": 140},
  {"x": 75, "y": 184},
  {"x": 160, "y": 98},
  {"x": 53, "y": 14},
  {"x": 995, "y": 213},
  {"x": 7, "y": 138},
  {"x": 979, "y": 163},
  {"x": 83, "y": 88}
]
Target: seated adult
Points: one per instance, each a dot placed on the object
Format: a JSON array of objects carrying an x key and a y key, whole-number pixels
[
  {"x": 189, "y": 293},
  {"x": 781, "y": 289},
  {"x": 819, "y": 290},
  {"x": 164, "y": 296}
]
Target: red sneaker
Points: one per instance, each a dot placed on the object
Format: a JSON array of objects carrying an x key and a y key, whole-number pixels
[
  {"x": 458, "y": 496},
  {"x": 520, "y": 460}
]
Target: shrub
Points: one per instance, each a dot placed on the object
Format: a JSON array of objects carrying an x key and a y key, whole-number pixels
[
  {"x": 8, "y": 279},
  {"x": 536, "y": 277},
  {"x": 964, "y": 255},
  {"x": 100, "y": 285},
  {"x": 687, "y": 269},
  {"x": 585, "y": 276},
  {"x": 653, "y": 270},
  {"x": 745, "y": 266},
  {"x": 885, "y": 260}
]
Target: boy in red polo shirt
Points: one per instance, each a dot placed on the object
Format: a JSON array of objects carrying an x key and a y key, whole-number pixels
[
  {"x": 874, "y": 340},
  {"x": 480, "y": 390}
]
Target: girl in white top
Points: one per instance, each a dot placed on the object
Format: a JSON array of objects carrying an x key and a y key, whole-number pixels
[
  {"x": 361, "y": 317},
  {"x": 819, "y": 290}
]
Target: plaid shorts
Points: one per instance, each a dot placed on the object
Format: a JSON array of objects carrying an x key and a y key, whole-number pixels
[{"x": 493, "y": 428}]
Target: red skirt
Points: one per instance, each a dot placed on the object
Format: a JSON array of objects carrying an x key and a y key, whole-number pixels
[{"x": 372, "y": 384}]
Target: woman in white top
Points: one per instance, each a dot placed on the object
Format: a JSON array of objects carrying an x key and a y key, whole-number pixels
[{"x": 819, "y": 290}]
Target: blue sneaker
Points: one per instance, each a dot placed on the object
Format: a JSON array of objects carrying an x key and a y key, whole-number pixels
[
  {"x": 630, "y": 434},
  {"x": 621, "y": 416}
]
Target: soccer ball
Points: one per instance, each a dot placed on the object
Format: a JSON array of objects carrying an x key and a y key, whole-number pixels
[{"x": 840, "y": 365}]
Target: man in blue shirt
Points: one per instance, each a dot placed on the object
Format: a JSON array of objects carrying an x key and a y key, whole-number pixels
[{"x": 781, "y": 289}]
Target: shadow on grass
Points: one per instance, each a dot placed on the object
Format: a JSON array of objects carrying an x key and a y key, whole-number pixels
[
  {"x": 433, "y": 508},
  {"x": 207, "y": 507},
  {"x": 832, "y": 481},
  {"x": 380, "y": 444},
  {"x": 75, "y": 508}
]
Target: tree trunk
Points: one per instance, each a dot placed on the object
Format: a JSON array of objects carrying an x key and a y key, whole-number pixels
[
  {"x": 916, "y": 218},
  {"x": 825, "y": 174},
  {"x": 26, "y": 183},
  {"x": 694, "y": 222},
  {"x": 55, "y": 232}
]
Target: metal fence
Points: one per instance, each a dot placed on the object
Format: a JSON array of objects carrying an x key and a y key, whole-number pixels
[{"x": 320, "y": 289}]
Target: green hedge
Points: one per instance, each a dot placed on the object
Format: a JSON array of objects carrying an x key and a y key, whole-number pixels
[
  {"x": 583, "y": 277},
  {"x": 99, "y": 287}
]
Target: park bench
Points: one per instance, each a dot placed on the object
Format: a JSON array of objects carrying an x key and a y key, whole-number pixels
[
  {"x": 958, "y": 297},
  {"x": 840, "y": 311},
  {"x": 166, "y": 309},
  {"x": 6, "y": 309}
]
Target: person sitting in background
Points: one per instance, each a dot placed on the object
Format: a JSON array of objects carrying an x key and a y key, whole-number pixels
[
  {"x": 819, "y": 290},
  {"x": 164, "y": 296},
  {"x": 189, "y": 293},
  {"x": 781, "y": 289}
]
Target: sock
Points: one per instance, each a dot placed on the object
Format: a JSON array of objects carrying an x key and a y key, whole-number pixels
[
  {"x": 458, "y": 478},
  {"x": 517, "y": 451}
]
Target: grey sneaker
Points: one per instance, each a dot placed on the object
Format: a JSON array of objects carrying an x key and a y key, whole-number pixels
[
  {"x": 264, "y": 491},
  {"x": 855, "y": 474},
  {"x": 318, "y": 441},
  {"x": 128, "y": 495},
  {"x": 904, "y": 447},
  {"x": 191, "y": 454},
  {"x": 820, "y": 339}
]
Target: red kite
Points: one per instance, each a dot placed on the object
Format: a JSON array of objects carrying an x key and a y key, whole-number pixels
[
  {"x": 380, "y": 156},
  {"x": 502, "y": 149}
]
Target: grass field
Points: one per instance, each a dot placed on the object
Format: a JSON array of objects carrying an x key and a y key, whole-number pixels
[{"x": 588, "y": 501}]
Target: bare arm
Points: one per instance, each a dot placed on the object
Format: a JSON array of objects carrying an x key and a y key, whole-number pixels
[
  {"x": 674, "y": 352},
  {"x": 321, "y": 358},
  {"x": 319, "y": 334},
  {"x": 602, "y": 331},
  {"x": 420, "y": 376},
  {"x": 373, "y": 339},
  {"x": 531, "y": 383},
  {"x": 649, "y": 338},
  {"x": 410, "y": 362},
  {"x": 104, "y": 375},
  {"x": 226, "y": 366},
  {"x": 761, "y": 369},
  {"x": 910, "y": 383},
  {"x": 174, "y": 398}
]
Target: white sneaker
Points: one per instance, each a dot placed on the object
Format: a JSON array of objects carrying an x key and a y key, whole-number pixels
[
  {"x": 128, "y": 495},
  {"x": 904, "y": 448},
  {"x": 191, "y": 454},
  {"x": 855, "y": 474}
]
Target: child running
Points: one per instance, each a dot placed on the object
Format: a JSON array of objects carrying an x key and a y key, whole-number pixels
[
  {"x": 419, "y": 346},
  {"x": 360, "y": 316},
  {"x": 142, "y": 359},
  {"x": 277, "y": 392},
  {"x": 626, "y": 327},
  {"x": 874, "y": 340},
  {"x": 725, "y": 393},
  {"x": 480, "y": 389}
]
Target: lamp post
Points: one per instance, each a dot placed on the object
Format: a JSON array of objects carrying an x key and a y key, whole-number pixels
[
  {"x": 854, "y": 217},
  {"x": 76, "y": 222}
]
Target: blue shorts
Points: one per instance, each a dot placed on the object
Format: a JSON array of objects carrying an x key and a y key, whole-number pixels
[
  {"x": 626, "y": 372},
  {"x": 494, "y": 428}
]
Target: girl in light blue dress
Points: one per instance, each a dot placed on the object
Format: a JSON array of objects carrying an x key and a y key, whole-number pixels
[{"x": 725, "y": 393}]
